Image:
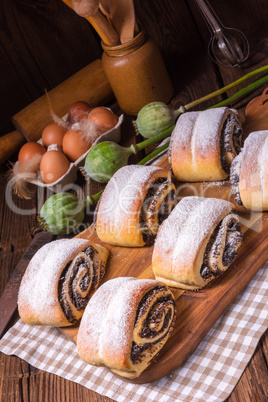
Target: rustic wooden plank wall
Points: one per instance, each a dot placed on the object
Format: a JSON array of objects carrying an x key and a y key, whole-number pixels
[{"x": 44, "y": 42}]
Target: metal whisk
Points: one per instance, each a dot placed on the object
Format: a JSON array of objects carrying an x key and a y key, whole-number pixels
[{"x": 227, "y": 46}]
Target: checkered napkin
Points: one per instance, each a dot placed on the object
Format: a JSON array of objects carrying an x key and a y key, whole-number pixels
[{"x": 210, "y": 374}]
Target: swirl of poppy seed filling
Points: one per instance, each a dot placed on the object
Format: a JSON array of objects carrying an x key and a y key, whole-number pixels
[
  {"x": 153, "y": 214},
  {"x": 78, "y": 282},
  {"x": 214, "y": 263},
  {"x": 161, "y": 311},
  {"x": 235, "y": 177},
  {"x": 230, "y": 141}
]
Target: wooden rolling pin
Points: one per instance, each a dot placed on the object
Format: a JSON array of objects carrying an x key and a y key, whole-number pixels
[{"x": 89, "y": 84}]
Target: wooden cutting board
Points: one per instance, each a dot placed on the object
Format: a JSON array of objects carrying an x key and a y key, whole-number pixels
[{"x": 197, "y": 311}]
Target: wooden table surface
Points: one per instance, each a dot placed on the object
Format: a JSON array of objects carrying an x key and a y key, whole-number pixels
[{"x": 193, "y": 76}]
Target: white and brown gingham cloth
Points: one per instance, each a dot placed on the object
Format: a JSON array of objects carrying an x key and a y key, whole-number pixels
[{"x": 210, "y": 374}]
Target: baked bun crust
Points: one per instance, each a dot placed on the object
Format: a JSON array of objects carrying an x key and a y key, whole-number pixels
[
  {"x": 249, "y": 172},
  {"x": 197, "y": 242},
  {"x": 59, "y": 280},
  {"x": 203, "y": 144},
  {"x": 123, "y": 217},
  {"x": 125, "y": 324}
]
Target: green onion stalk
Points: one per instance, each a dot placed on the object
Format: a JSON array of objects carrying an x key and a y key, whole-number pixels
[
  {"x": 157, "y": 116},
  {"x": 238, "y": 95},
  {"x": 105, "y": 158},
  {"x": 63, "y": 213}
]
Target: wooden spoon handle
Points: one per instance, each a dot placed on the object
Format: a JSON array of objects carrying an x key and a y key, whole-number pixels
[
  {"x": 105, "y": 9},
  {"x": 123, "y": 18},
  {"x": 106, "y": 32}
]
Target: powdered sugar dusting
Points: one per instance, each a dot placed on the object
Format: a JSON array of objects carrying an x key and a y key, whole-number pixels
[
  {"x": 207, "y": 131},
  {"x": 202, "y": 129},
  {"x": 254, "y": 163},
  {"x": 263, "y": 161},
  {"x": 251, "y": 150},
  {"x": 108, "y": 320},
  {"x": 39, "y": 286},
  {"x": 124, "y": 188},
  {"x": 184, "y": 230},
  {"x": 182, "y": 132},
  {"x": 263, "y": 171},
  {"x": 256, "y": 144}
]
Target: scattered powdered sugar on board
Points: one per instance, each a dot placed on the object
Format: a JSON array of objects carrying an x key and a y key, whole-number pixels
[{"x": 219, "y": 183}]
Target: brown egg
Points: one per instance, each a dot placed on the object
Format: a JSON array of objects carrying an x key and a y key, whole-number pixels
[
  {"x": 75, "y": 144},
  {"x": 78, "y": 111},
  {"x": 103, "y": 118},
  {"x": 53, "y": 134},
  {"x": 54, "y": 164},
  {"x": 30, "y": 155}
]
